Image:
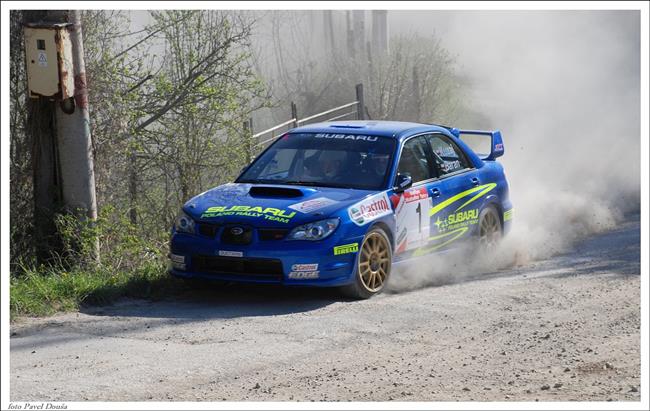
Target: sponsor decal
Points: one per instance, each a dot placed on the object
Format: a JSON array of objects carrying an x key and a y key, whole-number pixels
[
  {"x": 507, "y": 215},
  {"x": 498, "y": 147},
  {"x": 412, "y": 220},
  {"x": 416, "y": 194},
  {"x": 446, "y": 151},
  {"x": 268, "y": 213},
  {"x": 227, "y": 253},
  {"x": 370, "y": 209},
  {"x": 312, "y": 205},
  {"x": 177, "y": 258},
  {"x": 346, "y": 249},
  {"x": 304, "y": 267},
  {"x": 178, "y": 261},
  {"x": 463, "y": 216},
  {"x": 346, "y": 137},
  {"x": 355, "y": 215},
  {"x": 303, "y": 275},
  {"x": 457, "y": 220},
  {"x": 449, "y": 166}
]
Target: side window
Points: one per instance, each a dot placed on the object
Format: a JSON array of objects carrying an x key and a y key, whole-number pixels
[
  {"x": 447, "y": 155},
  {"x": 415, "y": 160}
]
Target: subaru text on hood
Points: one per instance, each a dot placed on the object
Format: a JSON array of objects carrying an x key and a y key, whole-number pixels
[{"x": 337, "y": 204}]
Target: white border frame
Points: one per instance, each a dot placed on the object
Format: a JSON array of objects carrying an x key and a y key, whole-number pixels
[{"x": 644, "y": 404}]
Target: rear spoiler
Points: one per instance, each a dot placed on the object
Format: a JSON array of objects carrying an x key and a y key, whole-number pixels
[{"x": 496, "y": 146}]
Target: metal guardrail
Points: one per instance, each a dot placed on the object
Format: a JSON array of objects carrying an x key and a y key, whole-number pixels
[
  {"x": 272, "y": 134},
  {"x": 315, "y": 116},
  {"x": 271, "y": 130}
]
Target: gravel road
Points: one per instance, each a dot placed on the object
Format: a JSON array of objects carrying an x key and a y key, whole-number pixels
[{"x": 567, "y": 328}]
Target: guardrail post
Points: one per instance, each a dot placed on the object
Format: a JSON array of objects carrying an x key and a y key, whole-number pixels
[
  {"x": 294, "y": 114},
  {"x": 360, "y": 103}
]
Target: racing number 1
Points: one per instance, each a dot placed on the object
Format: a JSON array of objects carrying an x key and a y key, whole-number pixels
[{"x": 413, "y": 208}]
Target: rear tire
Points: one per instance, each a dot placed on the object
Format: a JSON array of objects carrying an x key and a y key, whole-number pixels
[
  {"x": 490, "y": 230},
  {"x": 373, "y": 266}
]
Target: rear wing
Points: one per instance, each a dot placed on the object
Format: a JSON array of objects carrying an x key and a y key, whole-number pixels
[{"x": 496, "y": 141}]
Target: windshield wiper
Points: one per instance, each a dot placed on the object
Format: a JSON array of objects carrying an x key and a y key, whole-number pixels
[
  {"x": 293, "y": 182},
  {"x": 313, "y": 184},
  {"x": 301, "y": 183}
]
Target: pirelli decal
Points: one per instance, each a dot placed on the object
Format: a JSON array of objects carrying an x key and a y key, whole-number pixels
[
  {"x": 507, "y": 215},
  {"x": 346, "y": 249}
]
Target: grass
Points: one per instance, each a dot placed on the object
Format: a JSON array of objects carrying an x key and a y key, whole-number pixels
[{"x": 44, "y": 292}]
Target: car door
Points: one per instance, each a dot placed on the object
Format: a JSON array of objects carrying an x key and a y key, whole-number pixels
[
  {"x": 412, "y": 207},
  {"x": 456, "y": 194}
]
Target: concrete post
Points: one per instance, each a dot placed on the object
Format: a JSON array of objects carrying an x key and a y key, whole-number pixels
[
  {"x": 74, "y": 140},
  {"x": 73, "y": 130}
]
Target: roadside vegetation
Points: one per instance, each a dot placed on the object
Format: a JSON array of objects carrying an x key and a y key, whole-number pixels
[{"x": 128, "y": 266}]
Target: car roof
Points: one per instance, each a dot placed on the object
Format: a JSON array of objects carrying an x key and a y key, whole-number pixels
[{"x": 396, "y": 129}]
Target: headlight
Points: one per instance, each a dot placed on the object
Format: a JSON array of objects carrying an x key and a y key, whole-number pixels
[
  {"x": 314, "y": 231},
  {"x": 184, "y": 223}
]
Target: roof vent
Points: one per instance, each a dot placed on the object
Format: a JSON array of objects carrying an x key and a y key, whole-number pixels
[{"x": 345, "y": 126}]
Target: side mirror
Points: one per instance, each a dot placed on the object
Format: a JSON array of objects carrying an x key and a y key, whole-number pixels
[{"x": 402, "y": 182}]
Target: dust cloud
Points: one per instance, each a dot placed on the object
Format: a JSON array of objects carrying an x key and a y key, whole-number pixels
[{"x": 564, "y": 89}]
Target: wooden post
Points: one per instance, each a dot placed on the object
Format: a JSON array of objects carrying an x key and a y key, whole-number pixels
[
  {"x": 360, "y": 103},
  {"x": 294, "y": 114},
  {"x": 45, "y": 160}
]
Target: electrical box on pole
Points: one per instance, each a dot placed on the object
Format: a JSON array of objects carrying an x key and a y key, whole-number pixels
[{"x": 48, "y": 53}]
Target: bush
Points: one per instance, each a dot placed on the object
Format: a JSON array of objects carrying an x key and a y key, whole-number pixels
[{"x": 129, "y": 265}]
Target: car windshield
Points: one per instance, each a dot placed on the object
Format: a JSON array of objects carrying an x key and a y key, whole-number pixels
[{"x": 324, "y": 159}]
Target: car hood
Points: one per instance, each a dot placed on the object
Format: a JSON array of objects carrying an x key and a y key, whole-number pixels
[{"x": 264, "y": 205}]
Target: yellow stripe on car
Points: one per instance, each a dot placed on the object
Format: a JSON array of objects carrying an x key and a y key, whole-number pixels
[
  {"x": 483, "y": 190},
  {"x": 428, "y": 248}
]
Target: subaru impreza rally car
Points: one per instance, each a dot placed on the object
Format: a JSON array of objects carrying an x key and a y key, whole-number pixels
[{"x": 337, "y": 204}]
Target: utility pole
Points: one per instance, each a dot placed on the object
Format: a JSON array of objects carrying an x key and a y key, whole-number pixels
[
  {"x": 380, "y": 31},
  {"x": 359, "y": 29},
  {"x": 45, "y": 160},
  {"x": 64, "y": 178}
]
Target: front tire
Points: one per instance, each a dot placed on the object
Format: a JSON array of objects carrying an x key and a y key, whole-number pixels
[{"x": 373, "y": 268}]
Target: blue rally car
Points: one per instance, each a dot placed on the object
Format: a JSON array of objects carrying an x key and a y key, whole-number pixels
[{"x": 338, "y": 204}]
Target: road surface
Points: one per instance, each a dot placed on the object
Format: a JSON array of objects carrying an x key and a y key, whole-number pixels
[{"x": 562, "y": 329}]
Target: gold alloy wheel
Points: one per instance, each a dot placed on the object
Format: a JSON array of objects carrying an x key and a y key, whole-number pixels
[
  {"x": 374, "y": 262},
  {"x": 489, "y": 230}
]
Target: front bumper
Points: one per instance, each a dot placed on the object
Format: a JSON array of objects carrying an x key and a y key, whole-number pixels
[{"x": 291, "y": 263}]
